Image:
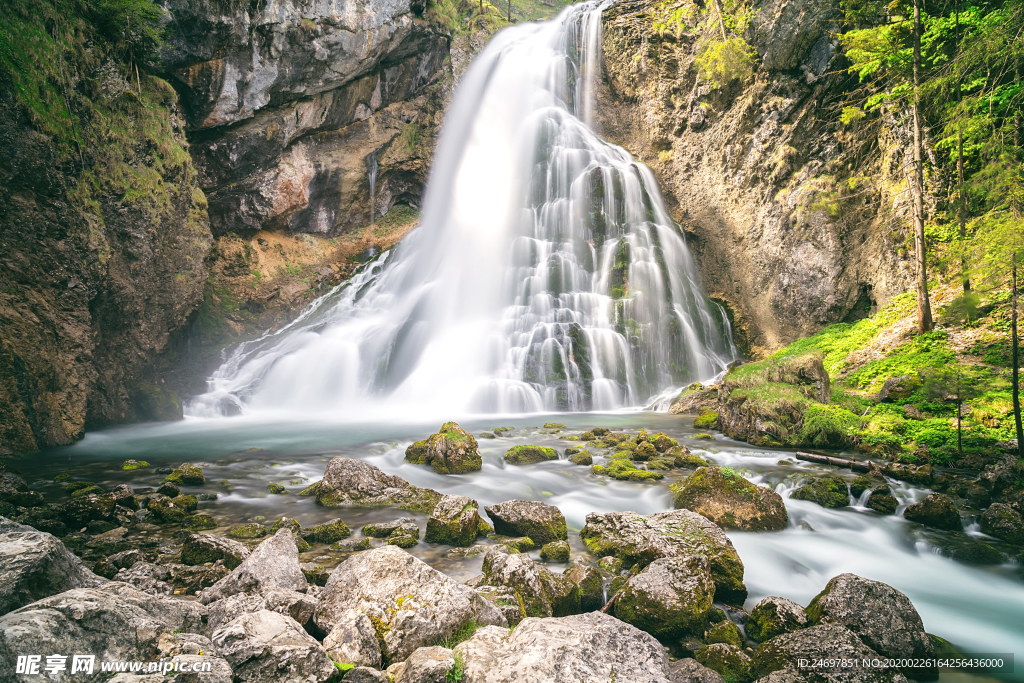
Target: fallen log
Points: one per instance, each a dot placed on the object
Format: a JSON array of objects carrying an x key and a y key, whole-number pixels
[
  {"x": 837, "y": 462},
  {"x": 915, "y": 475}
]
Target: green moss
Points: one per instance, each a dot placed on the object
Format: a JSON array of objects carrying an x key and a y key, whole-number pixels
[
  {"x": 200, "y": 523},
  {"x": 417, "y": 453},
  {"x": 248, "y": 531},
  {"x": 129, "y": 465},
  {"x": 526, "y": 454},
  {"x": 724, "y": 632},
  {"x": 828, "y": 492},
  {"x": 624, "y": 470},
  {"x": 555, "y": 551},
  {"x": 707, "y": 420}
]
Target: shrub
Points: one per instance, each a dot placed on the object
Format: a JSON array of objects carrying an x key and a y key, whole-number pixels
[
  {"x": 828, "y": 426},
  {"x": 724, "y": 61}
]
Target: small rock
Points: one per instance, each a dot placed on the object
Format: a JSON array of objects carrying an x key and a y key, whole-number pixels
[
  {"x": 452, "y": 450},
  {"x": 543, "y": 593},
  {"x": 724, "y": 632},
  {"x": 199, "y": 523},
  {"x": 883, "y": 503},
  {"x": 692, "y": 671},
  {"x": 454, "y": 521},
  {"x": 168, "y": 489},
  {"x": 829, "y": 492},
  {"x": 526, "y": 455},
  {"x": 542, "y": 523},
  {"x": 385, "y": 529},
  {"x": 134, "y": 465},
  {"x": 273, "y": 564},
  {"x": 583, "y": 457},
  {"x": 326, "y": 532},
  {"x": 202, "y": 548},
  {"x": 147, "y": 577},
  {"x": 351, "y": 546},
  {"x": 298, "y": 606},
  {"x": 936, "y": 510},
  {"x": 316, "y": 574},
  {"x": 774, "y": 616},
  {"x": 248, "y": 531},
  {"x": 353, "y": 640},
  {"x": 276, "y": 489},
  {"x": 555, "y": 551},
  {"x": 186, "y": 475}
]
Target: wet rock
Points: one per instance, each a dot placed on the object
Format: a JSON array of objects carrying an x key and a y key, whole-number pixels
[
  {"x": 884, "y": 503},
  {"x": 729, "y": 500},
  {"x": 298, "y": 606},
  {"x": 585, "y": 647},
  {"x": 453, "y": 450},
  {"x": 936, "y": 510},
  {"x": 829, "y": 492},
  {"x": 202, "y": 548},
  {"x": 385, "y": 529},
  {"x": 862, "y": 484},
  {"x": 351, "y": 546},
  {"x": 316, "y": 574},
  {"x": 128, "y": 465},
  {"x": 124, "y": 495},
  {"x": 199, "y": 523},
  {"x": 147, "y": 577},
  {"x": 527, "y": 455},
  {"x": 774, "y": 616},
  {"x": 624, "y": 470},
  {"x": 325, "y": 532},
  {"x": 164, "y": 510},
  {"x": 35, "y": 565},
  {"x": 641, "y": 539},
  {"x": 555, "y": 551},
  {"x": 186, "y": 475},
  {"x": 427, "y": 665},
  {"x": 405, "y": 535},
  {"x": 186, "y": 503},
  {"x": 663, "y": 442},
  {"x": 248, "y": 531},
  {"x": 542, "y": 523},
  {"x": 692, "y": 671},
  {"x": 685, "y": 460},
  {"x": 168, "y": 489},
  {"x": 977, "y": 554},
  {"x": 724, "y": 632},
  {"x": 728, "y": 660},
  {"x": 353, "y": 640},
  {"x": 644, "y": 451},
  {"x": 276, "y": 489},
  {"x": 273, "y": 564},
  {"x": 78, "y": 512},
  {"x": 670, "y": 598},
  {"x": 417, "y": 453},
  {"x": 783, "y": 654},
  {"x": 265, "y": 647},
  {"x": 583, "y": 457},
  {"x": 454, "y": 521},
  {"x": 881, "y": 616},
  {"x": 349, "y": 482},
  {"x": 542, "y": 592},
  {"x": 1004, "y": 523},
  {"x": 590, "y": 585},
  {"x": 409, "y": 603},
  {"x": 521, "y": 544},
  {"x": 108, "y": 566}
]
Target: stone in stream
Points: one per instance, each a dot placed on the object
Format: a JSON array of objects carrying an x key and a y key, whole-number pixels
[
  {"x": 268, "y": 647},
  {"x": 881, "y": 616},
  {"x": 883, "y": 502},
  {"x": 729, "y": 500},
  {"x": 199, "y": 523},
  {"x": 129, "y": 465},
  {"x": 728, "y": 660},
  {"x": 528, "y": 455},
  {"x": 774, "y": 616},
  {"x": 670, "y": 598},
  {"x": 349, "y": 482},
  {"x": 35, "y": 565},
  {"x": 540, "y": 522},
  {"x": 202, "y": 548},
  {"x": 641, "y": 539},
  {"x": 124, "y": 495},
  {"x": 186, "y": 475},
  {"x": 584, "y": 647},
  {"x": 353, "y": 640},
  {"x": 1003, "y": 522},
  {"x": 555, "y": 551},
  {"x": 326, "y": 532},
  {"x": 724, "y": 632},
  {"x": 828, "y": 492},
  {"x": 298, "y": 606},
  {"x": 784, "y": 658},
  {"x": 582, "y": 457},
  {"x": 168, "y": 489},
  {"x": 454, "y": 521},
  {"x": 410, "y": 604},
  {"x": 590, "y": 584},
  {"x": 385, "y": 529},
  {"x": 936, "y": 510},
  {"x": 862, "y": 484},
  {"x": 542, "y": 592},
  {"x": 78, "y": 512},
  {"x": 425, "y": 665},
  {"x": 644, "y": 451},
  {"x": 273, "y": 564},
  {"x": 248, "y": 531},
  {"x": 453, "y": 450},
  {"x": 147, "y": 577}
]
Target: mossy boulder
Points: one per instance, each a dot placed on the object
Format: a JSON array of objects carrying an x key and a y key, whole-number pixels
[
  {"x": 202, "y": 548},
  {"x": 624, "y": 470},
  {"x": 704, "y": 436},
  {"x": 351, "y": 546},
  {"x": 168, "y": 489},
  {"x": 590, "y": 584},
  {"x": 861, "y": 484},
  {"x": 663, "y": 442},
  {"x": 385, "y": 529},
  {"x": 687, "y": 461},
  {"x": 554, "y": 425},
  {"x": 731, "y": 663},
  {"x": 727, "y": 499},
  {"x": 276, "y": 489},
  {"x": 248, "y": 531},
  {"x": 883, "y": 502},
  {"x": 454, "y": 521},
  {"x": 1003, "y": 522},
  {"x": 285, "y": 523},
  {"x": 670, "y": 598},
  {"x": 86, "y": 490},
  {"x": 200, "y": 523},
  {"x": 165, "y": 511},
  {"x": 644, "y": 450},
  {"x": 723, "y": 632},
  {"x": 936, "y": 510},
  {"x": 583, "y": 457},
  {"x": 402, "y": 539},
  {"x": 774, "y": 616},
  {"x": 325, "y": 532},
  {"x": 541, "y": 522},
  {"x": 574, "y": 449},
  {"x": 540, "y": 592},
  {"x": 417, "y": 453},
  {"x": 453, "y": 450},
  {"x": 310, "y": 490},
  {"x": 188, "y": 503},
  {"x": 129, "y": 465},
  {"x": 186, "y": 475},
  {"x": 706, "y": 420},
  {"x": 829, "y": 492},
  {"x": 555, "y": 551},
  {"x": 520, "y": 544},
  {"x": 349, "y": 482},
  {"x": 527, "y": 455}
]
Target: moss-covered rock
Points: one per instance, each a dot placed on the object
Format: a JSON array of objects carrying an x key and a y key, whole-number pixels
[
  {"x": 829, "y": 492},
  {"x": 88, "y": 489},
  {"x": 526, "y": 454},
  {"x": 1003, "y": 522},
  {"x": 276, "y": 489},
  {"x": 660, "y": 464},
  {"x": 520, "y": 544},
  {"x": 351, "y": 546},
  {"x": 663, "y": 442},
  {"x": 454, "y": 521},
  {"x": 571, "y": 450},
  {"x": 316, "y": 574},
  {"x": 540, "y": 592},
  {"x": 248, "y": 531},
  {"x": 285, "y": 523},
  {"x": 610, "y": 564},
  {"x": 644, "y": 450},
  {"x": 385, "y": 529},
  {"x": 723, "y": 632},
  {"x": 687, "y": 461},
  {"x": 706, "y": 420},
  {"x": 936, "y": 510},
  {"x": 403, "y": 539},
  {"x": 728, "y": 660},
  {"x": 670, "y": 598},
  {"x": 202, "y": 548},
  {"x": 555, "y": 551},
  {"x": 310, "y": 490},
  {"x": 625, "y": 470},
  {"x": 186, "y": 475},
  {"x": 589, "y": 583},
  {"x": 774, "y": 616},
  {"x": 325, "y": 532},
  {"x": 541, "y": 522},
  {"x": 582, "y": 457},
  {"x": 168, "y": 489},
  {"x": 417, "y": 453},
  {"x": 883, "y": 502},
  {"x": 704, "y": 436},
  {"x": 350, "y": 482},
  {"x": 200, "y": 523},
  {"x": 861, "y": 484},
  {"x": 554, "y": 425},
  {"x": 729, "y": 500},
  {"x": 188, "y": 503},
  {"x": 453, "y": 450},
  {"x": 129, "y": 465},
  {"x": 165, "y": 511}
]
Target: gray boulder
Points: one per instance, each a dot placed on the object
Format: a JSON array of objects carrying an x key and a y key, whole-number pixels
[
  {"x": 780, "y": 657},
  {"x": 936, "y": 510},
  {"x": 670, "y": 598},
  {"x": 641, "y": 539},
  {"x": 353, "y": 640},
  {"x": 1003, "y": 522},
  {"x": 542, "y": 592},
  {"x": 692, "y": 671},
  {"x": 584, "y": 647},
  {"x": 147, "y": 577},
  {"x": 774, "y": 616},
  {"x": 542, "y": 523},
  {"x": 273, "y": 564},
  {"x": 35, "y": 565},
  {"x": 590, "y": 584},
  {"x": 411, "y": 604},
  {"x": 266, "y": 647},
  {"x": 350, "y": 482},
  {"x": 455, "y": 521},
  {"x": 364, "y": 674},
  {"x": 298, "y": 606},
  {"x": 502, "y": 597},
  {"x": 202, "y": 548},
  {"x": 426, "y": 665}
]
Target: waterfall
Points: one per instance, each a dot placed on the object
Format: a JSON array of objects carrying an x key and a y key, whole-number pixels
[{"x": 546, "y": 274}]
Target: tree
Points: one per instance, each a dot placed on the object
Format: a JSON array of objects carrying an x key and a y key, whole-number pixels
[
  {"x": 951, "y": 384},
  {"x": 132, "y": 27},
  {"x": 924, "y": 309}
]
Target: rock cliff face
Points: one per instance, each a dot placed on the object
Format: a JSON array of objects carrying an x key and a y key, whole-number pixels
[{"x": 797, "y": 221}]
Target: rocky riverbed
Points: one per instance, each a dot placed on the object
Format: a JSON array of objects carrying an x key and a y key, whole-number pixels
[{"x": 642, "y": 550}]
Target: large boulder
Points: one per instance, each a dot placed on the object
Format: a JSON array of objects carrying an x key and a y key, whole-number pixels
[
  {"x": 298, "y": 606},
  {"x": 590, "y": 584},
  {"x": 881, "y": 616},
  {"x": 729, "y": 500},
  {"x": 426, "y": 665},
  {"x": 542, "y": 592},
  {"x": 936, "y": 510},
  {"x": 641, "y": 539},
  {"x": 410, "y": 604},
  {"x": 35, "y": 565},
  {"x": 273, "y": 564},
  {"x": 670, "y": 598},
  {"x": 267, "y": 647},
  {"x": 528, "y": 455},
  {"x": 1003, "y": 522},
  {"x": 584, "y": 647},
  {"x": 455, "y": 521},
  {"x": 349, "y": 482},
  {"x": 202, "y": 548},
  {"x": 774, "y": 616},
  {"x": 452, "y": 450},
  {"x": 540, "y": 522},
  {"x": 794, "y": 656},
  {"x": 829, "y": 492},
  {"x": 353, "y": 640},
  {"x": 729, "y": 661}
]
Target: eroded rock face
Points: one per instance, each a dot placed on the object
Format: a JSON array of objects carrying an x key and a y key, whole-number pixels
[
  {"x": 354, "y": 482},
  {"x": 669, "y": 599},
  {"x": 587, "y": 647},
  {"x": 410, "y": 604},
  {"x": 298, "y": 606},
  {"x": 539, "y": 522},
  {"x": 353, "y": 640},
  {"x": 543, "y": 593},
  {"x": 273, "y": 564},
  {"x": 730, "y": 501},
  {"x": 641, "y": 539},
  {"x": 781, "y": 655},
  {"x": 264, "y": 646}
]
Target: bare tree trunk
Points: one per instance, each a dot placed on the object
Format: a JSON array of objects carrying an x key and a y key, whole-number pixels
[
  {"x": 1014, "y": 347},
  {"x": 721, "y": 21},
  {"x": 510, "y": 11},
  {"x": 961, "y": 197},
  {"x": 924, "y": 309}
]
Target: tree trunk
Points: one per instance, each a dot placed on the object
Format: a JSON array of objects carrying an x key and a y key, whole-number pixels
[
  {"x": 961, "y": 198},
  {"x": 721, "y": 22},
  {"x": 924, "y": 309},
  {"x": 1014, "y": 356},
  {"x": 510, "y": 11}
]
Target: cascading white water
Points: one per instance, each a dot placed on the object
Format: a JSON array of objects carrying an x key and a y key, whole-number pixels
[{"x": 546, "y": 274}]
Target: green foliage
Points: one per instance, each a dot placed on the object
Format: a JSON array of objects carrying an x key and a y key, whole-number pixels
[
  {"x": 851, "y": 115},
  {"x": 458, "y": 670},
  {"x": 461, "y": 634},
  {"x": 723, "y": 61},
  {"x": 828, "y": 426},
  {"x": 131, "y": 27}
]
